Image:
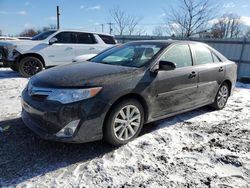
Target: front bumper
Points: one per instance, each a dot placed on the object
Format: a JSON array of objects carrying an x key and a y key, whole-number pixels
[
  {"x": 46, "y": 118},
  {"x": 7, "y": 59}
]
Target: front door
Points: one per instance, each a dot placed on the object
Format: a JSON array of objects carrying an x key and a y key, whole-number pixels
[
  {"x": 61, "y": 52},
  {"x": 176, "y": 89}
]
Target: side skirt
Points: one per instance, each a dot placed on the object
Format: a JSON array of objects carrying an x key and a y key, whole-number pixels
[{"x": 179, "y": 112}]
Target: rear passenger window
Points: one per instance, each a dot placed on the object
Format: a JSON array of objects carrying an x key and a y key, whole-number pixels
[
  {"x": 85, "y": 38},
  {"x": 179, "y": 54},
  {"x": 107, "y": 39},
  {"x": 203, "y": 54}
]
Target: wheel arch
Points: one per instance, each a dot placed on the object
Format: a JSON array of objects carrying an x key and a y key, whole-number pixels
[
  {"x": 32, "y": 55},
  {"x": 229, "y": 83},
  {"x": 135, "y": 96}
]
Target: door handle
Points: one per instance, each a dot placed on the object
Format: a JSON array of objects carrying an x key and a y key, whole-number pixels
[
  {"x": 192, "y": 75},
  {"x": 92, "y": 48},
  {"x": 221, "y": 69},
  {"x": 68, "y": 48}
]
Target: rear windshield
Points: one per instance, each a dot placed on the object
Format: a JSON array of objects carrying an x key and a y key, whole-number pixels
[
  {"x": 108, "y": 39},
  {"x": 43, "y": 35}
]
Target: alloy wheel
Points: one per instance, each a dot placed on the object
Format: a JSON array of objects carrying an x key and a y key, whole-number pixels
[
  {"x": 127, "y": 122},
  {"x": 222, "y": 96},
  {"x": 32, "y": 67}
]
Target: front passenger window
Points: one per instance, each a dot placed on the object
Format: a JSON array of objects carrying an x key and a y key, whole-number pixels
[
  {"x": 178, "y": 54},
  {"x": 66, "y": 37}
]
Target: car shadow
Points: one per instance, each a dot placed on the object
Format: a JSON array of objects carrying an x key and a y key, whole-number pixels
[
  {"x": 23, "y": 155},
  {"x": 8, "y": 73}
]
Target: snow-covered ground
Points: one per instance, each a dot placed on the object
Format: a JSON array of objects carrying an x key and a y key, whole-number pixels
[{"x": 201, "y": 148}]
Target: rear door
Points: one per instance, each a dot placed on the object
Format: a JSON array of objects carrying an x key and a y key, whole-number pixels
[
  {"x": 176, "y": 89},
  {"x": 210, "y": 71},
  {"x": 85, "y": 44}
]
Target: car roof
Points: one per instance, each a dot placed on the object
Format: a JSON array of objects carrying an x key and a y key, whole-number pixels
[
  {"x": 73, "y": 30},
  {"x": 169, "y": 41}
]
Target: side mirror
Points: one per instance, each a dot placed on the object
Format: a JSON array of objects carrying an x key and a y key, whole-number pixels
[
  {"x": 166, "y": 65},
  {"x": 52, "y": 41}
]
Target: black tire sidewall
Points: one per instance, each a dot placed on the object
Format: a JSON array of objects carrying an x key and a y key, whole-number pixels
[
  {"x": 109, "y": 134},
  {"x": 26, "y": 59}
]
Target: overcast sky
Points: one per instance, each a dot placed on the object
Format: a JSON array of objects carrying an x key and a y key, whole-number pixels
[{"x": 16, "y": 15}]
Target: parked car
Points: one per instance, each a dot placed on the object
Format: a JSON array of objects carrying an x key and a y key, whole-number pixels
[
  {"x": 52, "y": 48},
  {"x": 5, "y": 38},
  {"x": 82, "y": 58},
  {"x": 8, "y": 38},
  {"x": 24, "y": 38},
  {"x": 121, "y": 89}
]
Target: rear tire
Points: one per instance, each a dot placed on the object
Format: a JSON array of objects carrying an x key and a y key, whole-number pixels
[
  {"x": 29, "y": 66},
  {"x": 221, "y": 97},
  {"x": 124, "y": 122}
]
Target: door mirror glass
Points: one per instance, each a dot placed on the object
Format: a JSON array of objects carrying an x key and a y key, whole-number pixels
[
  {"x": 52, "y": 41},
  {"x": 166, "y": 65}
]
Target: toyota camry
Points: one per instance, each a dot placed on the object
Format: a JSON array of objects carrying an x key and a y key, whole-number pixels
[{"x": 115, "y": 93}]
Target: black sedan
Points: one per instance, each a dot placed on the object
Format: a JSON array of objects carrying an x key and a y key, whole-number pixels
[{"x": 113, "y": 94}]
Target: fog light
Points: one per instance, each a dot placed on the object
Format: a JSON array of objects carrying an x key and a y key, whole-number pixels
[{"x": 68, "y": 130}]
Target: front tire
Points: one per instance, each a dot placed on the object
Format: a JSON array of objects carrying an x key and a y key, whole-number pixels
[
  {"x": 221, "y": 98},
  {"x": 29, "y": 66},
  {"x": 124, "y": 122}
]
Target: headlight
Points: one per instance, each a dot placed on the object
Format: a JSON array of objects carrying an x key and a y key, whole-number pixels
[
  {"x": 11, "y": 49},
  {"x": 73, "y": 95}
]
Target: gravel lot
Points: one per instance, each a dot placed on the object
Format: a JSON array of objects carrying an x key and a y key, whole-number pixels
[{"x": 201, "y": 148}]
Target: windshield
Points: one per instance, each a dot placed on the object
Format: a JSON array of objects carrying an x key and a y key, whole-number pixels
[
  {"x": 43, "y": 35},
  {"x": 131, "y": 55}
]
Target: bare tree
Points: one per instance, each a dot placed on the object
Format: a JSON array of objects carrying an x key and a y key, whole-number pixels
[
  {"x": 32, "y": 31},
  {"x": 247, "y": 34},
  {"x": 124, "y": 23},
  {"x": 28, "y": 33},
  {"x": 158, "y": 31},
  {"x": 228, "y": 26},
  {"x": 51, "y": 26},
  {"x": 132, "y": 24},
  {"x": 190, "y": 17}
]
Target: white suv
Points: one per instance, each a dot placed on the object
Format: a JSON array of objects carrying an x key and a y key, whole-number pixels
[{"x": 52, "y": 48}]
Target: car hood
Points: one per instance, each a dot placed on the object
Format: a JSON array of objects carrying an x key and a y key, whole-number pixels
[
  {"x": 85, "y": 74},
  {"x": 25, "y": 46},
  {"x": 19, "y": 42}
]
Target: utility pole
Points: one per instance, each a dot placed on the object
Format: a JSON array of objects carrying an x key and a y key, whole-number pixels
[
  {"x": 102, "y": 28},
  {"x": 110, "y": 27},
  {"x": 57, "y": 17}
]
